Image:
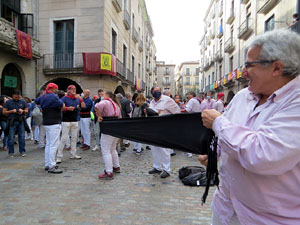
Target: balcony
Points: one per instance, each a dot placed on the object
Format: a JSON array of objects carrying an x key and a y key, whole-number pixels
[
  {"x": 230, "y": 18},
  {"x": 229, "y": 45},
  {"x": 167, "y": 72},
  {"x": 296, "y": 27},
  {"x": 187, "y": 83},
  {"x": 130, "y": 76},
  {"x": 121, "y": 69},
  {"x": 246, "y": 29},
  {"x": 219, "y": 56},
  {"x": 228, "y": 82},
  {"x": 147, "y": 67},
  {"x": 220, "y": 32},
  {"x": 148, "y": 45},
  {"x": 118, "y": 5},
  {"x": 221, "y": 9},
  {"x": 166, "y": 83},
  {"x": 141, "y": 45},
  {"x": 62, "y": 64},
  {"x": 126, "y": 20},
  {"x": 212, "y": 34},
  {"x": 150, "y": 52},
  {"x": 244, "y": 1},
  {"x": 135, "y": 35},
  {"x": 8, "y": 39},
  {"x": 143, "y": 86},
  {"x": 264, "y": 6}
]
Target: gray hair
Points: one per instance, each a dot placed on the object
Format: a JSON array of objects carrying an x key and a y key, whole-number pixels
[
  {"x": 128, "y": 95},
  {"x": 281, "y": 44},
  {"x": 119, "y": 96}
]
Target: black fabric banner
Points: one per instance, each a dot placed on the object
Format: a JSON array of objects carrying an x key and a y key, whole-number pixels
[{"x": 183, "y": 132}]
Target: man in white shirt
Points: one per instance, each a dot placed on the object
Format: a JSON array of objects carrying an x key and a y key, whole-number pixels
[
  {"x": 194, "y": 104},
  {"x": 219, "y": 104},
  {"x": 163, "y": 105}
]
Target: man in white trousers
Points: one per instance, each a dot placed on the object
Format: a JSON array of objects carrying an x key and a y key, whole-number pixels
[
  {"x": 85, "y": 120},
  {"x": 51, "y": 106},
  {"x": 163, "y": 105}
]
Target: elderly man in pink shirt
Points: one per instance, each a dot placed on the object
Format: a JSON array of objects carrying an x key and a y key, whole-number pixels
[
  {"x": 258, "y": 135},
  {"x": 109, "y": 107}
]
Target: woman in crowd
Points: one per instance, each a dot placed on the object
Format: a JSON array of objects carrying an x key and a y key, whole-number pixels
[
  {"x": 30, "y": 107},
  {"x": 109, "y": 107},
  {"x": 138, "y": 111},
  {"x": 3, "y": 122}
]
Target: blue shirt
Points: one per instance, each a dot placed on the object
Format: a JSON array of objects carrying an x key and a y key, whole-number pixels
[
  {"x": 51, "y": 100},
  {"x": 71, "y": 116},
  {"x": 12, "y": 104}
]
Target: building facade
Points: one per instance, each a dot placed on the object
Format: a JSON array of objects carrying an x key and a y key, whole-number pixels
[
  {"x": 188, "y": 78},
  {"x": 166, "y": 76},
  {"x": 120, "y": 28},
  {"x": 229, "y": 25},
  {"x": 16, "y": 71}
]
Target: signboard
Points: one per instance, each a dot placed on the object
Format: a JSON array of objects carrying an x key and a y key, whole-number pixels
[{"x": 10, "y": 81}]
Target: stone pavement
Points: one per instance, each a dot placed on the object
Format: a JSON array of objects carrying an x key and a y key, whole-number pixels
[{"x": 29, "y": 195}]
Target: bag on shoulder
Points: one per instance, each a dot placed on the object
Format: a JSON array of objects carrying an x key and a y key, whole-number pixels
[
  {"x": 137, "y": 112},
  {"x": 187, "y": 170},
  {"x": 37, "y": 115}
]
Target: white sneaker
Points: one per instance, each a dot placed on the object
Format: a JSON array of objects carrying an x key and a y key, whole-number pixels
[
  {"x": 96, "y": 148},
  {"x": 189, "y": 155},
  {"x": 58, "y": 160},
  {"x": 75, "y": 157}
]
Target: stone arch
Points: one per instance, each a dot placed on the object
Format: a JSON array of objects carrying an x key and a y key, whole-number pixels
[
  {"x": 63, "y": 84},
  {"x": 120, "y": 89},
  {"x": 12, "y": 77},
  {"x": 230, "y": 96}
]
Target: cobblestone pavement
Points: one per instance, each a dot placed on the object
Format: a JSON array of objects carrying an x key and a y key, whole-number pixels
[{"x": 29, "y": 195}]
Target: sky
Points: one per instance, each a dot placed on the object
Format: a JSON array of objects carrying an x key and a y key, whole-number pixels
[{"x": 178, "y": 27}]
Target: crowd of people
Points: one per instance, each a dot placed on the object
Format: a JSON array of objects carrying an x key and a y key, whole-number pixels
[{"x": 258, "y": 143}]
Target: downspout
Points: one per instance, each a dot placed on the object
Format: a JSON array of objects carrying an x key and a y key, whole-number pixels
[{"x": 37, "y": 37}]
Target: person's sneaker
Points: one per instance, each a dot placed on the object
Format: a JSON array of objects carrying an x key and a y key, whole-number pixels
[
  {"x": 106, "y": 176},
  {"x": 83, "y": 145},
  {"x": 58, "y": 160},
  {"x": 68, "y": 148},
  {"x": 138, "y": 152},
  {"x": 47, "y": 168},
  {"x": 127, "y": 145},
  {"x": 75, "y": 157},
  {"x": 36, "y": 142},
  {"x": 148, "y": 148},
  {"x": 54, "y": 170},
  {"x": 134, "y": 150},
  {"x": 154, "y": 171},
  {"x": 189, "y": 155},
  {"x": 164, "y": 174},
  {"x": 116, "y": 170},
  {"x": 23, "y": 154},
  {"x": 86, "y": 148},
  {"x": 96, "y": 148},
  {"x": 173, "y": 154},
  {"x": 12, "y": 155}
]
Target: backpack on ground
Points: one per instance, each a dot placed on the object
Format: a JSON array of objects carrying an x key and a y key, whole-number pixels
[
  {"x": 187, "y": 170},
  {"x": 193, "y": 176}
]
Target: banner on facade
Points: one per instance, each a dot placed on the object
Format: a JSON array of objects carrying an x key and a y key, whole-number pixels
[
  {"x": 10, "y": 81},
  {"x": 24, "y": 44},
  {"x": 99, "y": 63}
]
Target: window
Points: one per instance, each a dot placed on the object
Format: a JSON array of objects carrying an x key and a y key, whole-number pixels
[
  {"x": 248, "y": 15},
  {"x": 113, "y": 41},
  {"x": 133, "y": 20},
  {"x": 27, "y": 23},
  {"x": 208, "y": 79},
  {"x": 125, "y": 5},
  {"x": 132, "y": 64},
  {"x": 63, "y": 43},
  {"x": 197, "y": 71},
  {"x": 124, "y": 56},
  {"x": 231, "y": 32},
  {"x": 231, "y": 64},
  {"x": 187, "y": 71},
  {"x": 221, "y": 45},
  {"x": 167, "y": 71},
  {"x": 197, "y": 80},
  {"x": 9, "y": 13},
  {"x": 167, "y": 81},
  {"x": 140, "y": 71},
  {"x": 213, "y": 77},
  {"x": 220, "y": 72},
  {"x": 269, "y": 24},
  {"x": 187, "y": 81}
]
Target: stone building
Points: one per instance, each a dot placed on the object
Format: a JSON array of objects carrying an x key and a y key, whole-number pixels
[
  {"x": 119, "y": 31},
  {"x": 166, "y": 76},
  {"x": 229, "y": 25},
  {"x": 16, "y": 71}
]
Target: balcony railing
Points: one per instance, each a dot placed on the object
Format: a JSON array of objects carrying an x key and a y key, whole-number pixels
[
  {"x": 118, "y": 5},
  {"x": 219, "y": 56},
  {"x": 135, "y": 35},
  {"x": 148, "y": 45},
  {"x": 230, "y": 17},
  {"x": 130, "y": 76},
  {"x": 121, "y": 69},
  {"x": 212, "y": 34},
  {"x": 187, "y": 83},
  {"x": 62, "y": 63},
  {"x": 9, "y": 40},
  {"x": 143, "y": 85},
  {"x": 166, "y": 83},
  {"x": 229, "y": 45},
  {"x": 167, "y": 72},
  {"x": 220, "y": 31},
  {"x": 141, "y": 45},
  {"x": 126, "y": 20},
  {"x": 245, "y": 29},
  {"x": 264, "y": 6},
  {"x": 147, "y": 67},
  {"x": 244, "y": 1},
  {"x": 296, "y": 27}
]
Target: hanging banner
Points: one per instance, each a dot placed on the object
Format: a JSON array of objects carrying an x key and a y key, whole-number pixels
[
  {"x": 105, "y": 61},
  {"x": 234, "y": 73},
  {"x": 239, "y": 73},
  {"x": 10, "y": 81},
  {"x": 24, "y": 44},
  {"x": 99, "y": 63}
]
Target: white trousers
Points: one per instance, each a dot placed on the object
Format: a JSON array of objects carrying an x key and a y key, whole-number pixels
[
  {"x": 52, "y": 140},
  {"x": 29, "y": 135},
  {"x": 109, "y": 152},
  {"x": 137, "y": 146},
  {"x": 67, "y": 127},
  {"x": 36, "y": 133},
  {"x": 161, "y": 158},
  {"x": 85, "y": 125},
  {"x": 42, "y": 135}
]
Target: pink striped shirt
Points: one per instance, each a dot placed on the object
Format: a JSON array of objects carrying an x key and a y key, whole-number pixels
[
  {"x": 108, "y": 107},
  {"x": 260, "y": 158}
]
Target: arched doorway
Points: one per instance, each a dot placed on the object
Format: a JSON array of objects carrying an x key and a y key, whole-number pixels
[
  {"x": 63, "y": 84},
  {"x": 230, "y": 96},
  {"x": 10, "y": 79},
  {"x": 119, "y": 89}
]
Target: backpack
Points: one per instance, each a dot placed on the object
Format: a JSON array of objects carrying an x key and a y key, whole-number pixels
[
  {"x": 187, "y": 170},
  {"x": 193, "y": 175},
  {"x": 137, "y": 112},
  {"x": 37, "y": 115}
]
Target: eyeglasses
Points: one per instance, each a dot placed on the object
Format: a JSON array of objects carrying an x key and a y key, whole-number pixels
[{"x": 247, "y": 65}]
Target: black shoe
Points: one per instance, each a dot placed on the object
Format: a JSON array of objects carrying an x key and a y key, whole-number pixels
[
  {"x": 142, "y": 149},
  {"x": 127, "y": 145},
  {"x": 134, "y": 150},
  {"x": 154, "y": 171},
  {"x": 36, "y": 142},
  {"x": 148, "y": 148},
  {"x": 47, "y": 168},
  {"x": 123, "y": 149},
  {"x": 173, "y": 154},
  {"x": 54, "y": 170},
  {"x": 164, "y": 174}
]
